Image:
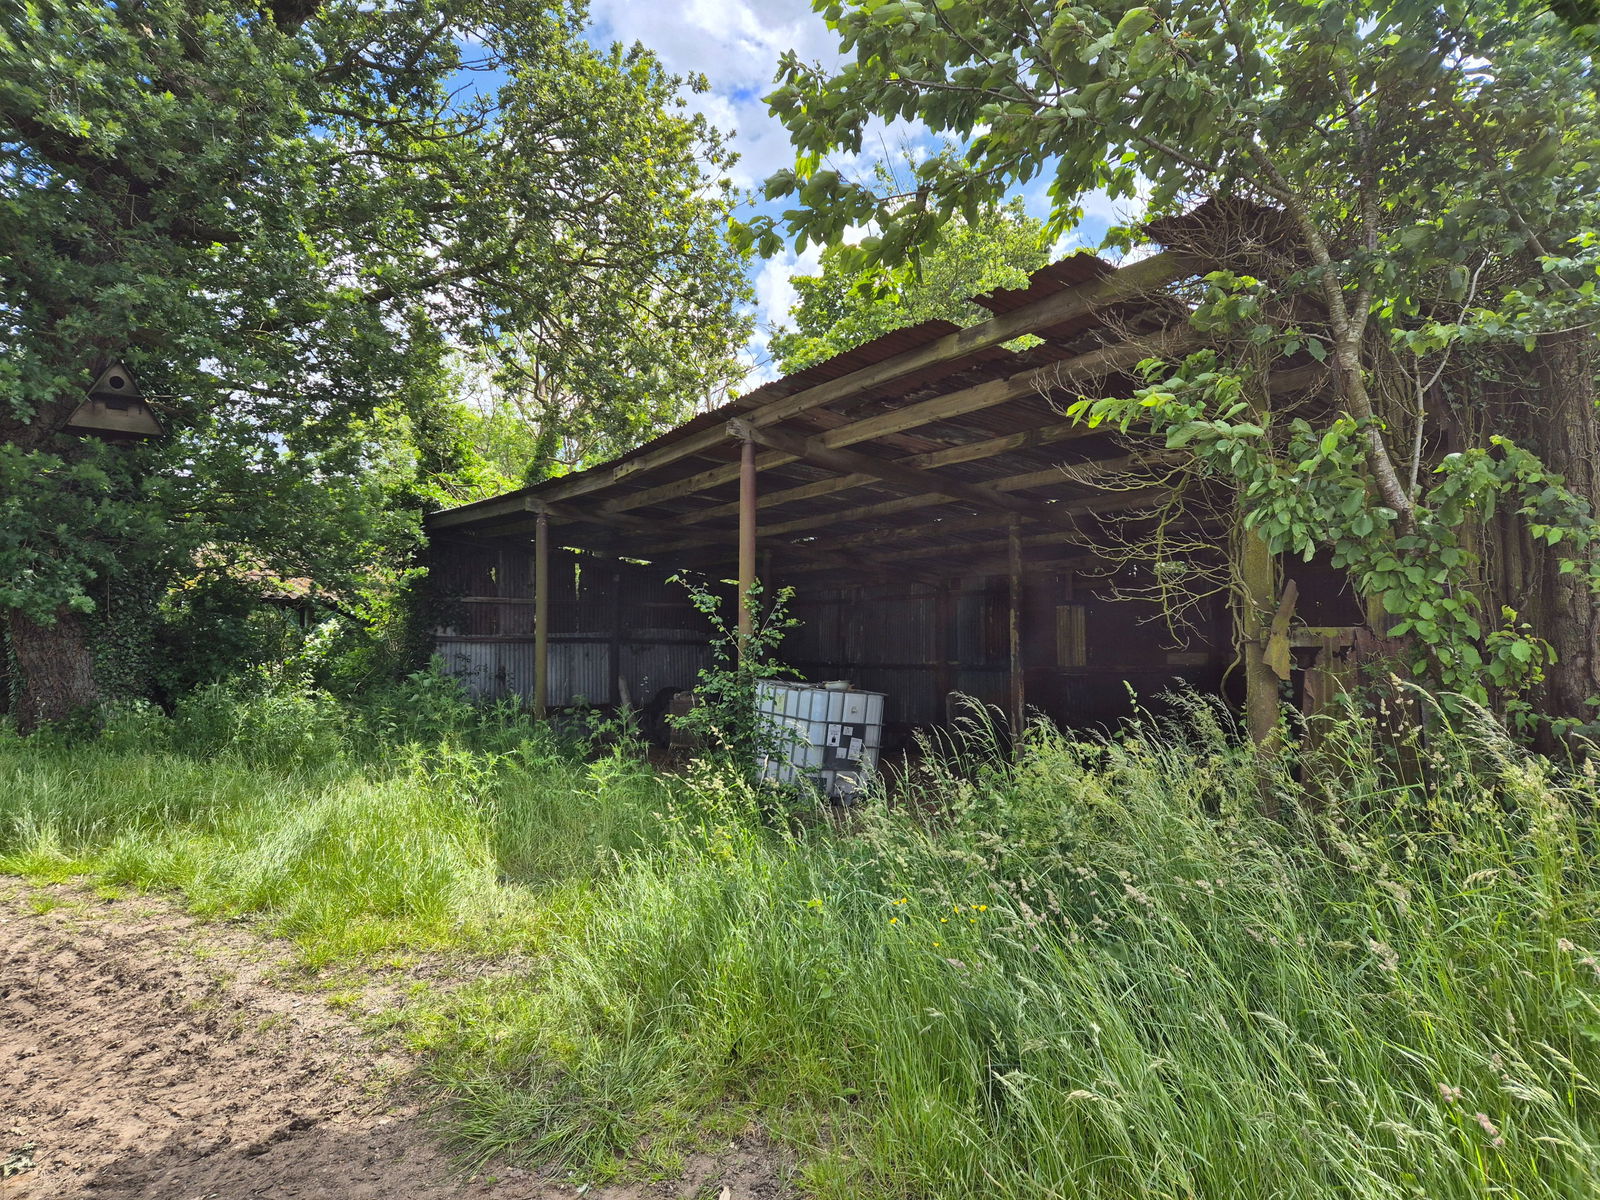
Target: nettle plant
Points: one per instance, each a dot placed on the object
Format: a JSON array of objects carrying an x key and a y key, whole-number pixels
[
  {"x": 1305, "y": 489},
  {"x": 724, "y": 714}
]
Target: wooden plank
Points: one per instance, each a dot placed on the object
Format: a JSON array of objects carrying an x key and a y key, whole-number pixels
[
  {"x": 947, "y": 456},
  {"x": 541, "y": 619},
  {"x": 915, "y": 480},
  {"x": 899, "y": 533},
  {"x": 1093, "y": 364},
  {"x": 1018, "y": 691},
  {"x": 1057, "y": 308},
  {"x": 1084, "y": 473},
  {"x": 745, "y": 595}
]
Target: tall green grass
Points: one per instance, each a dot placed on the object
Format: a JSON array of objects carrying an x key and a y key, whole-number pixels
[
  {"x": 353, "y": 829},
  {"x": 1094, "y": 973}
]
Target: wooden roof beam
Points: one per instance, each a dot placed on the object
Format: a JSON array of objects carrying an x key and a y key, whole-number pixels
[
  {"x": 1092, "y": 364},
  {"x": 947, "y": 456},
  {"x": 1084, "y": 473},
  {"x": 1125, "y": 283},
  {"x": 915, "y": 480},
  {"x": 1078, "y": 508},
  {"x": 665, "y": 541}
]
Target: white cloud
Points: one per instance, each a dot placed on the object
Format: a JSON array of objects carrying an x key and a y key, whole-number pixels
[
  {"x": 736, "y": 45},
  {"x": 775, "y": 293}
]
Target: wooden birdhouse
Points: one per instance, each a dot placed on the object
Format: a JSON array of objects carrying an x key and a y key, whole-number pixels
[{"x": 115, "y": 409}]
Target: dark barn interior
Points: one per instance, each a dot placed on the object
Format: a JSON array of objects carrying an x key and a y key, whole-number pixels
[{"x": 945, "y": 526}]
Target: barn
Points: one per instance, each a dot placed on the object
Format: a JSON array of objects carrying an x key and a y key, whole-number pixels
[{"x": 944, "y": 525}]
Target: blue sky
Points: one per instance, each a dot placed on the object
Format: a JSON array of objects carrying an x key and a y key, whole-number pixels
[{"x": 736, "y": 45}]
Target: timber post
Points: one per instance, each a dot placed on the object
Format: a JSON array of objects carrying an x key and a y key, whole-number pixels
[
  {"x": 1258, "y": 578},
  {"x": 1018, "y": 711},
  {"x": 541, "y": 616},
  {"x": 747, "y": 542}
]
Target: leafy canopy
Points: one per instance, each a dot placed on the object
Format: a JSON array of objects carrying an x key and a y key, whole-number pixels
[
  {"x": 291, "y": 221},
  {"x": 1406, "y": 192},
  {"x": 841, "y": 307}
]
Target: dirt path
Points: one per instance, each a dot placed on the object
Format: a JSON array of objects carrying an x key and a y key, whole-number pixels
[{"x": 144, "y": 1056}]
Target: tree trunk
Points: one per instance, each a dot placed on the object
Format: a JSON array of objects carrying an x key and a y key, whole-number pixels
[
  {"x": 53, "y": 669},
  {"x": 1567, "y": 437}
]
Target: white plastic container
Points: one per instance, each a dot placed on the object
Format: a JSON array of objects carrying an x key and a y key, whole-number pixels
[{"x": 827, "y": 736}]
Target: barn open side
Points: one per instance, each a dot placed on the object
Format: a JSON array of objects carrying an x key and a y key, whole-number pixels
[{"x": 944, "y": 525}]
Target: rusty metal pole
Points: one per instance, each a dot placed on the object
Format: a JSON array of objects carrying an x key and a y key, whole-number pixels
[
  {"x": 541, "y": 616},
  {"x": 1018, "y": 708},
  {"x": 747, "y": 541}
]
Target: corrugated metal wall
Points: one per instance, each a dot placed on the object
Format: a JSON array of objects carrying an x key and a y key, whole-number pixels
[
  {"x": 618, "y": 630},
  {"x": 622, "y": 631}
]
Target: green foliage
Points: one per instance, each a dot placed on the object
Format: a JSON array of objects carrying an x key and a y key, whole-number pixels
[
  {"x": 1077, "y": 979},
  {"x": 844, "y": 306},
  {"x": 1273, "y": 98},
  {"x": 294, "y": 230},
  {"x": 1303, "y": 490},
  {"x": 1406, "y": 192},
  {"x": 724, "y": 713}
]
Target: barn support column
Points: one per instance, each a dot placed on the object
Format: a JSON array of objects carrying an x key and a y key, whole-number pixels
[
  {"x": 747, "y": 542},
  {"x": 1258, "y": 598},
  {"x": 620, "y": 695},
  {"x": 541, "y": 616},
  {"x": 1017, "y": 710}
]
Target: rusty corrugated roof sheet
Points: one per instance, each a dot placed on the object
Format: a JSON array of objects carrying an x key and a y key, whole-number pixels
[{"x": 685, "y": 497}]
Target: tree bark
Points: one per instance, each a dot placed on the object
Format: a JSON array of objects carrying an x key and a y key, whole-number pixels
[
  {"x": 1567, "y": 437},
  {"x": 53, "y": 666},
  {"x": 1258, "y": 582}
]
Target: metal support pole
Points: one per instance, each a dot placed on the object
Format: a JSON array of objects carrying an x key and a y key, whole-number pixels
[
  {"x": 747, "y": 541},
  {"x": 1018, "y": 708},
  {"x": 541, "y": 616}
]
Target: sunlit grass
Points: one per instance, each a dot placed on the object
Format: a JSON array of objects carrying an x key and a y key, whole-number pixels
[{"x": 1096, "y": 973}]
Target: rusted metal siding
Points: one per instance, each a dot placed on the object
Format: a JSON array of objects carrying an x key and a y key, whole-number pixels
[
  {"x": 622, "y": 630},
  {"x": 617, "y": 629},
  {"x": 489, "y": 669}
]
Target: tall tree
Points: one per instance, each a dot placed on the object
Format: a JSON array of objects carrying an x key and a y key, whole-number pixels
[
  {"x": 283, "y": 217},
  {"x": 1397, "y": 189},
  {"x": 844, "y": 306}
]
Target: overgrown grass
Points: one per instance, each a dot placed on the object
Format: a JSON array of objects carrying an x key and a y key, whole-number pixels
[{"x": 1098, "y": 973}]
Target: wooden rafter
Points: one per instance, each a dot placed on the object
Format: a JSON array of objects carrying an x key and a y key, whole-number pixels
[
  {"x": 917, "y": 481},
  {"x": 948, "y": 456},
  {"x": 1086, "y": 474},
  {"x": 1093, "y": 364}
]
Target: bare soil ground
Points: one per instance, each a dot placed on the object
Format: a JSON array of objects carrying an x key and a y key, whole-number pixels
[{"x": 148, "y": 1056}]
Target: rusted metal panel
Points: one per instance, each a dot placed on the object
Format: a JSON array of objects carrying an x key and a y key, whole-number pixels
[
  {"x": 649, "y": 667},
  {"x": 580, "y": 673},
  {"x": 489, "y": 670},
  {"x": 1071, "y": 271}
]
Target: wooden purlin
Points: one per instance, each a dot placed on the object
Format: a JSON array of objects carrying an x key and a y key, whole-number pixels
[
  {"x": 1098, "y": 363},
  {"x": 1127, "y": 283},
  {"x": 1074, "y": 475},
  {"x": 948, "y": 456},
  {"x": 916, "y": 481},
  {"x": 722, "y": 547},
  {"x": 833, "y": 549}
]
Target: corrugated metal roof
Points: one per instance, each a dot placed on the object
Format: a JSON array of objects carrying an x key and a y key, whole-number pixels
[
  {"x": 682, "y": 500},
  {"x": 1064, "y": 273}
]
